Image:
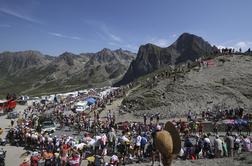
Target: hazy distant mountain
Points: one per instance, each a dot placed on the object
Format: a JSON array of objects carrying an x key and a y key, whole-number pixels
[
  {"x": 31, "y": 72},
  {"x": 187, "y": 47},
  {"x": 15, "y": 62}
]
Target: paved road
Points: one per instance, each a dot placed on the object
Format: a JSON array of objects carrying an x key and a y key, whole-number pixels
[{"x": 13, "y": 153}]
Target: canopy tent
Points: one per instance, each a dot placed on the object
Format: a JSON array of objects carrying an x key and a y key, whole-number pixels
[
  {"x": 91, "y": 101},
  {"x": 236, "y": 122},
  {"x": 228, "y": 121},
  {"x": 241, "y": 122}
]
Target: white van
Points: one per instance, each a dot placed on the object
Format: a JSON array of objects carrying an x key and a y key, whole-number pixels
[{"x": 81, "y": 106}]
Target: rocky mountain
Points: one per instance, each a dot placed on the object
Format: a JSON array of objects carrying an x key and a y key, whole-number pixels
[
  {"x": 31, "y": 72},
  {"x": 187, "y": 47},
  {"x": 15, "y": 62}
]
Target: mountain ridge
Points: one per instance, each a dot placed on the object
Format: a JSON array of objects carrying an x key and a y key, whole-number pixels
[
  {"x": 186, "y": 48},
  {"x": 36, "y": 72}
]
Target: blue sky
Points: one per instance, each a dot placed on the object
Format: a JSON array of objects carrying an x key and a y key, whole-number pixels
[{"x": 55, "y": 26}]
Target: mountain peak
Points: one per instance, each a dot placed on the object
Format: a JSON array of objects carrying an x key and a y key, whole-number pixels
[
  {"x": 105, "y": 51},
  {"x": 187, "y": 47},
  {"x": 186, "y": 34},
  {"x": 66, "y": 57},
  {"x": 120, "y": 49},
  {"x": 107, "y": 55},
  {"x": 187, "y": 38}
]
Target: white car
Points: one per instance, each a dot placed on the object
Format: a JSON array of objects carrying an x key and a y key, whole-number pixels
[{"x": 48, "y": 127}]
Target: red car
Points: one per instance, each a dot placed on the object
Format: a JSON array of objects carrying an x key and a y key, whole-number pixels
[{"x": 7, "y": 105}]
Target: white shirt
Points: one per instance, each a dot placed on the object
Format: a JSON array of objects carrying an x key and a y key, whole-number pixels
[
  {"x": 138, "y": 140},
  {"x": 125, "y": 139},
  {"x": 218, "y": 143}
]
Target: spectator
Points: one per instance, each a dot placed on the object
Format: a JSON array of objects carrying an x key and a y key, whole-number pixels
[
  {"x": 25, "y": 162},
  {"x": 246, "y": 144},
  {"x": 189, "y": 116},
  {"x": 206, "y": 146},
  {"x": 237, "y": 145},
  {"x": 188, "y": 148},
  {"x": 218, "y": 150},
  {"x": 230, "y": 145}
]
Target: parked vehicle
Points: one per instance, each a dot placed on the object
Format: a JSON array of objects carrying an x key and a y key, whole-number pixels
[
  {"x": 2, "y": 157},
  {"x": 12, "y": 115},
  {"x": 2, "y": 142},
  {"x": 81, "y": 106},
  {"x": 48, "y": 126},
  {"x": 22, "y": 100},
  {"x": 7, "y": 105}
]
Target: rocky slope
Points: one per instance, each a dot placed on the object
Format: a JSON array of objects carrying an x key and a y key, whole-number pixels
[
  {"x": 30, "y": 72},
  {"x": 243, "y": 159},
  {"x": 227, "y": 83},
  {"x": 186, "y": 48}
]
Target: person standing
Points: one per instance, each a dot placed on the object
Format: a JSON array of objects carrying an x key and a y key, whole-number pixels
[
  {"x": 206, "y": 146},
  {"x": 113, "y": 118},
  {"x": 145, "y": 119},
  {"x": 103, "y": 144},
  {"x": 224, "y": 147},
  {"x": 215, "y": 128},
  {"x": 203, "y": 114},
  {"x": 218, "y": 151},
  {"x": 200, "y": 128},
  {"x": 151, "y": 120},
  {"x": 198, "y": 146},
  {"x": 188, "y": 147},
  {"x": 230, "y": 145},
  {"x": 112, "y": 139},
  {"x": 138, "y": 145},
  {"x": 189, "y": 116},
  {"x": 157, "y": 118},
  {"x": 109, "y": 116},
  {"x": 237, "y": 143},
  {"x": 246, "y": 144},
  {"x": 12, "y": 122},
  {"x": 144, "y": 141}
]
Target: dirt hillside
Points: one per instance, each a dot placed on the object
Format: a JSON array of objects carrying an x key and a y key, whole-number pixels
[{"x": 226, "y": 83}]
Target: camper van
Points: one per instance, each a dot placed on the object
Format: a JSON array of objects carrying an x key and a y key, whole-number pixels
[{"x": 81, "y": 106}]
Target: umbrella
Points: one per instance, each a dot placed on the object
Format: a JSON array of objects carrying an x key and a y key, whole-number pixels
[{"x": 241, "y": 122}]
